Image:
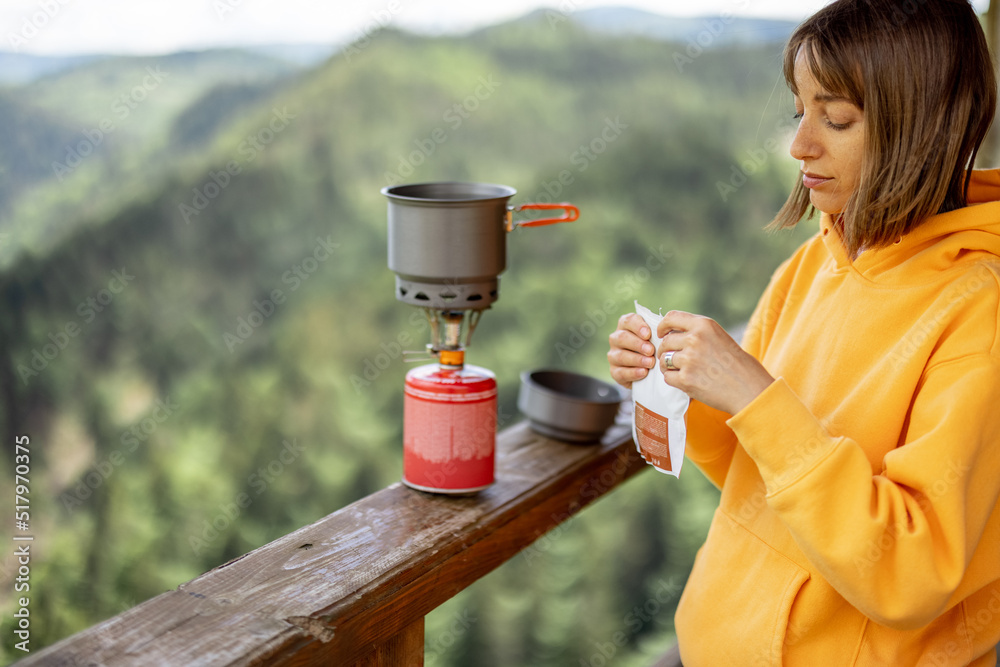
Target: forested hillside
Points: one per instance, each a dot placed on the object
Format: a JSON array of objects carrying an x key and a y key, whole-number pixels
[{"x": 205, "y": 293}]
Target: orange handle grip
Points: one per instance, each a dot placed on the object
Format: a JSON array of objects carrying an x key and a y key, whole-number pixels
[{"x": 572, "y": 213}]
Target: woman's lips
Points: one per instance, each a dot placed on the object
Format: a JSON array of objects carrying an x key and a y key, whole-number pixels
[{"x": 812, "y": 180}]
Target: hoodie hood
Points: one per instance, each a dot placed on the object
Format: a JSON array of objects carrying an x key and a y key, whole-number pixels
[{"x": 943, "y": 242}]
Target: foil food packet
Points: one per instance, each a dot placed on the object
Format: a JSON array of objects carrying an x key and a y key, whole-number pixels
[{"x": 658, "y": 426}]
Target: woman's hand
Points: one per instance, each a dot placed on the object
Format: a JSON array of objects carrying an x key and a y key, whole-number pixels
[
  {"x": 631, "y": 354},
  {"x": 708, "y": 365}
]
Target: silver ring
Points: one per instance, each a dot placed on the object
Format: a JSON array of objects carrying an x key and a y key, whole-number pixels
[{"x": 668, "y": 359}]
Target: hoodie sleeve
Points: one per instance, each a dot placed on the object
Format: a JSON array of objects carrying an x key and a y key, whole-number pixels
[
  {"x": 710, "y": 441},
  {"x": 896, "y": 545}
]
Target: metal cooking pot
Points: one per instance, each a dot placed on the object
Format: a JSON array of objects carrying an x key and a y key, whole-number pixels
[{"x": 447, "y": 241}]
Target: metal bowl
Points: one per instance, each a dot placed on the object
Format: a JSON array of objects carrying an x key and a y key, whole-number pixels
[{"x": 568, "y": 406}]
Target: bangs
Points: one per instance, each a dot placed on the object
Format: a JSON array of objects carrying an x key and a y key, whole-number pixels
[{"x": 832, "y": 62}]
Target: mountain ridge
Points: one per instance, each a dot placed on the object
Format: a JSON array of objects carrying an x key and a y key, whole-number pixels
[{"x": 724, "y": 29}]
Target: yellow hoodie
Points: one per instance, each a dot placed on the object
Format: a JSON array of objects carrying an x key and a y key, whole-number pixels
[{"x": 859, "y": 522}]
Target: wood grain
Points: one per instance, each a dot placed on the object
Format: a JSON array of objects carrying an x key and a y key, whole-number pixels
[{"x": 354, "y": 586}]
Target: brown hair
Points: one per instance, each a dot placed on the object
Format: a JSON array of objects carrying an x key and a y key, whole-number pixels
[{"x": 921, "y": 72}]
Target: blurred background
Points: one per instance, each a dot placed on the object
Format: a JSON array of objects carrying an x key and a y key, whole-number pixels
[{"x": 195, "y": 303}]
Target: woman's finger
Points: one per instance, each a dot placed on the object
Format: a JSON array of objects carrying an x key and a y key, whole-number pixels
[
  {"x": 634, "y": 323},
  {"x": 628, "y": 340},
  {"x": 670, "y": 361},
  {"x": 625, "y": 358},
  {"x": 676, "y": 320}
]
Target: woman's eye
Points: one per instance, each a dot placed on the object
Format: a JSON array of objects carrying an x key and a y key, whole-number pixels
[
  {"x": 837, "y": 126},
  {"x": 798, "y": 115}
]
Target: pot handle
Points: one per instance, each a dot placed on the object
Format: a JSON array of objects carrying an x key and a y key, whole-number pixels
[{"x": 572, "y": 213}]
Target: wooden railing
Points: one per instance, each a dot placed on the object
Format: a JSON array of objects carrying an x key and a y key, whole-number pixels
[{"x": 354, "y": 587}]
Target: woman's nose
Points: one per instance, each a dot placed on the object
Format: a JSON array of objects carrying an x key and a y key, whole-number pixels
[{"x": 804, "y": 145}]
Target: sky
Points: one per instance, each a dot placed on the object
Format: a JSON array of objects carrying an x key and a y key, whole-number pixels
[{"x": 165, "y": 26}]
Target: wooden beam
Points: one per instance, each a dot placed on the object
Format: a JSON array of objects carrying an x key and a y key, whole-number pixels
[
  {"x": 356, "y": 584},
  {"x": 672, "y": 658},
  {"x": 405, "y": 649},
  {"x": 992, "y": 25},
  {"x": 990, "y": 151}
]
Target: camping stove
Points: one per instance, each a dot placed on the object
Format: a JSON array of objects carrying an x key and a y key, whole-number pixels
[{"x": 447, "y": 247}]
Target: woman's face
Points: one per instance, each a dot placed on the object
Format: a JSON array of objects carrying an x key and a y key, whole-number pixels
[{"x": 829, "y": 142}]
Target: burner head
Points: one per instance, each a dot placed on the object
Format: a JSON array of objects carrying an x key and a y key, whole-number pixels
[{"x": 447, "y": 296}]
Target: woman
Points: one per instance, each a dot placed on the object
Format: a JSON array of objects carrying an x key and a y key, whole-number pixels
[{"x": 856, "y": 434}]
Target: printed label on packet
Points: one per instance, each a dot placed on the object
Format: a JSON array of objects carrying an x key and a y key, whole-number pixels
[
  {"x": 652, "y": 438},
  {"x": 659, "y": 430}
]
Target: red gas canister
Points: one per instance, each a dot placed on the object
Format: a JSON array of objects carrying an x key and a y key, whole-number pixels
[{"x": 449, "y": 428}]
